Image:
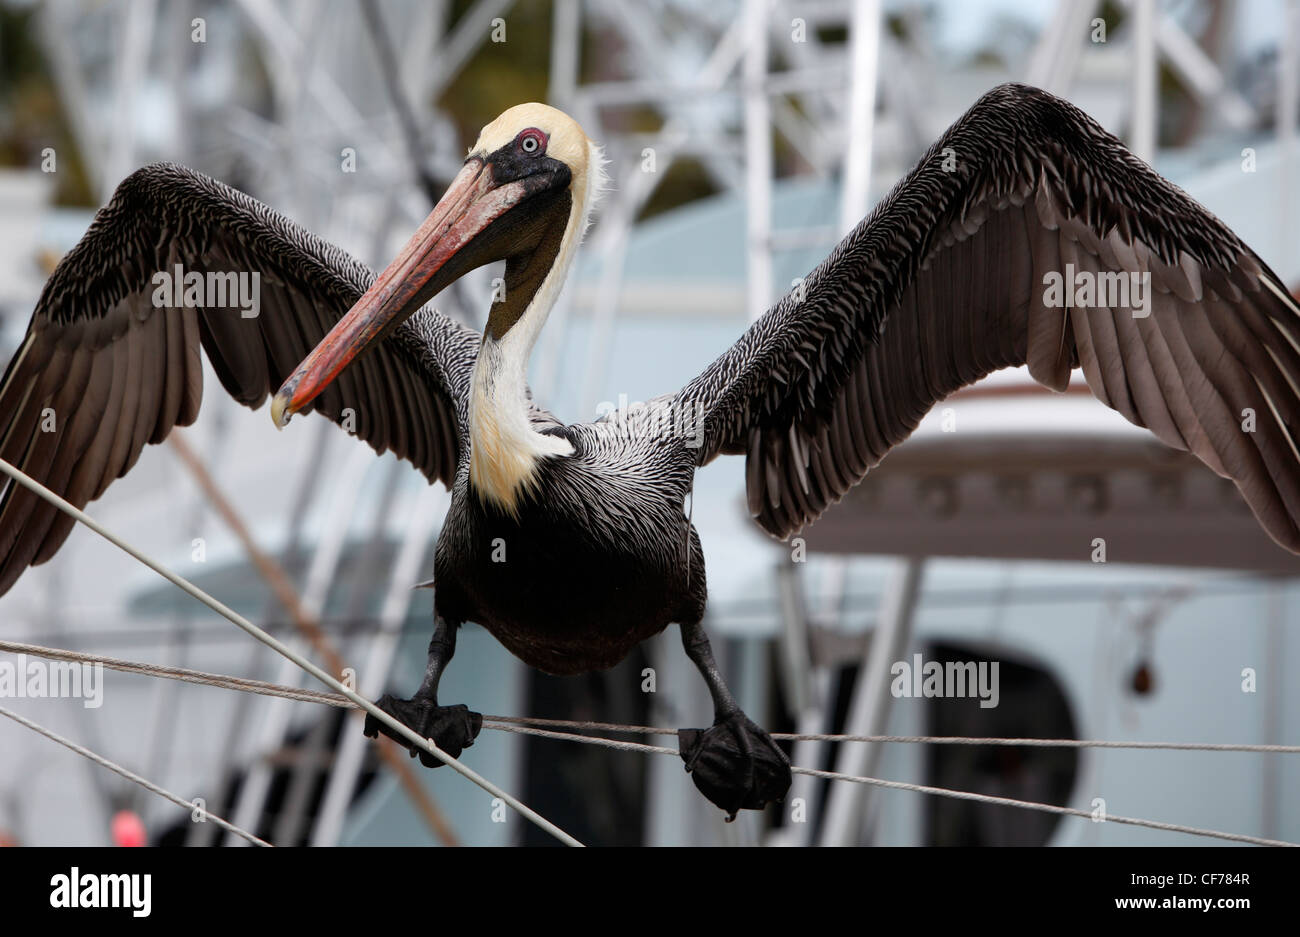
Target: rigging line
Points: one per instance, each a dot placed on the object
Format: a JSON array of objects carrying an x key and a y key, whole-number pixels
[
  {"x": 327, "y": 698},
  {"x": 511, "y": 724},
  {"x": 131, "y": 776},
  {"x": 1051, "y": 743},
  {"x": 183, "y": 674},
  {"x": 308, "y": 623},
  {"x": 243, "y": 623},
  {"x": 1047, "y": 808},
  {"x": 924, "y": 739},
  {"x": 924, "y": 789}
]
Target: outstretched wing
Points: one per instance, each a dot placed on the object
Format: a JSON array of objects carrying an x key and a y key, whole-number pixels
[
  {"x": 963, "y": 269},
  {"x": 104, "y": 369}
]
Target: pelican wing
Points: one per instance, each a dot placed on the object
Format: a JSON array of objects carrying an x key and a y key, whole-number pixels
[
  {"x": 964, "y": 269},
  {"x": 105, "y": 368}
]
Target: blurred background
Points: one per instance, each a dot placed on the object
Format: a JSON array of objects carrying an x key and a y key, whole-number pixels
[{"x": 745, "y": 137}]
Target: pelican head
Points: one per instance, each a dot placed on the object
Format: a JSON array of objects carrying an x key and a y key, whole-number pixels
[{"x": 523, "y": 195}]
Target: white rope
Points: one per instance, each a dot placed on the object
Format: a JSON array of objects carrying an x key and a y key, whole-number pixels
[
  {"x": 919, "y": 788},
  {"x": 1052, "y": 743},
  {"x": 184, "y": 674},
  {"x": 617, "y": 744},
  {"x": 231, "y": 615},
  {"x": 921, "y": 739},
  {"x": 521, "y": 725},
  {"x": 264, "y": 688},
  {"x": 131, "y": 776},
  {"x": 427, "y": 745},
  {"x": 1046, "y": 808}
]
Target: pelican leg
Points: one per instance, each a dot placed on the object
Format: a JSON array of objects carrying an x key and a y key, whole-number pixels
[
  {"x": 452, "y": 728},
  {"x": 734, "y": 763}
]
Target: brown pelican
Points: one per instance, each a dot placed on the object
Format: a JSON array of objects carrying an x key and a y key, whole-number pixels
[{"x": 1010, "y": 243}]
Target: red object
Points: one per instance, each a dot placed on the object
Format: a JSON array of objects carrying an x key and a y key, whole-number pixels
[{"x": 128, "y": 829}]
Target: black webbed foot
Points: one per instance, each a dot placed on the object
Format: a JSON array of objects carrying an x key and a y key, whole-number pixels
[
  {"x": 735, "y": 764},
  {"x": 452, "y": 728}
]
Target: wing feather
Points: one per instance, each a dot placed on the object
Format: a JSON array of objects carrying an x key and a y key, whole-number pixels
[
  {"x": 947, "y": 280},
  {"x": 114, "y": 371}
]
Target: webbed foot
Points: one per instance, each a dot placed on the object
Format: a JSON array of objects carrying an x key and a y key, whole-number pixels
[
  {"x": 452, "y": 728},
  {"x": 735, "y": 764}
]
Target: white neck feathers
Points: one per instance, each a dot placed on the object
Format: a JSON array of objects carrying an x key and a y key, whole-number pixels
[{"x": 505, "y": 451}]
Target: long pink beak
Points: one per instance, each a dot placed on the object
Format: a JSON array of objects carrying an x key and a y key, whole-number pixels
[{"x": 471, "y": 203}]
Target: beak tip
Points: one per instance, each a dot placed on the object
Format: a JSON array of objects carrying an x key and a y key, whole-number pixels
[{"x": 280, "y": 412}]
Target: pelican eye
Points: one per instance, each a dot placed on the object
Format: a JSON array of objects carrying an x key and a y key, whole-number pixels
[{"x": 532, "y": 142}]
